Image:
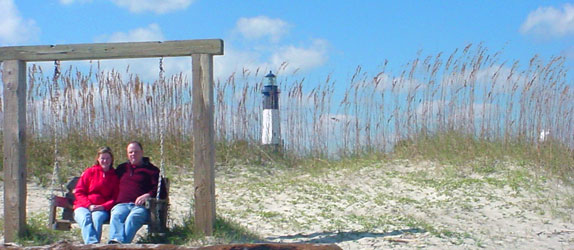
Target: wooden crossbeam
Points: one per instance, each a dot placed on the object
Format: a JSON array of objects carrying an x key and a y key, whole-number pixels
[{"x": 99, "y": 51}]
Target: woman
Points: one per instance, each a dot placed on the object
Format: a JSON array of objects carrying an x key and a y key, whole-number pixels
[{"x": 96, "y": 193}]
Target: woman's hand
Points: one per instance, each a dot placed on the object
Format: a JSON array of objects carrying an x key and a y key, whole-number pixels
[
  {"x": 140, "y": 201},
  {"x": 96, "y": 208}
]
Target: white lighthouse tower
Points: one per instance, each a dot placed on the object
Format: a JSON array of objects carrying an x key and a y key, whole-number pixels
[{"x": 271, "y": 130}]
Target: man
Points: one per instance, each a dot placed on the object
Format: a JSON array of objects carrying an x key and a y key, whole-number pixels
[{"x": 138, "y": 182}]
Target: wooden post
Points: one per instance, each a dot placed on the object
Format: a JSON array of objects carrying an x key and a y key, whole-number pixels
[
  {"x": 14, "y": 78},
  {"x": 203, "y": 143}
]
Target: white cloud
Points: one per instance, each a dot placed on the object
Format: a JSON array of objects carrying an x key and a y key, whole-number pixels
[
  {"x": 262, "y": 26},
  {"x": 495, "y": 78},
  {"x": 150, "y": 33},
  {"x": 68, "y": 2},
  {"x": 267, "y": 54},
  {"x": 146, "y": 68},
  {"x": 139, "y": 6},
  {"x": 251, "y": 61},
  {"x": 14, "y": 28},
  {"x": 238, "y": 62},
  {"x": 385, "y": 82},
  {"x": 301, "y": 58},
  {"x": 549, "y": 21},
  {"x": 288, "y": 59},
  {"x": 431, "y": 108},
  {"x": 160, "y": 7},
  {"x": 499, "y": 78}
]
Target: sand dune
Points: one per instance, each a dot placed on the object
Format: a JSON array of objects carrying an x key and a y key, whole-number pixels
[{"x": 395, "y": 204}]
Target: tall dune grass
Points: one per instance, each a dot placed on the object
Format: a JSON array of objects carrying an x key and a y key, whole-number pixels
[{"x": 470, "y": 92}]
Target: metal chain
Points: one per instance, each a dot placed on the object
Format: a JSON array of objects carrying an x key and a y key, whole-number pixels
[
  {"x": 56, "y": 111},
  {"x": 161, "y": 139},
  {"x": 162, "y": 128}
]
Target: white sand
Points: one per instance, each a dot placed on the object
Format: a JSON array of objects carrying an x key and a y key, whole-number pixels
[{"x": 399, "y": 205}]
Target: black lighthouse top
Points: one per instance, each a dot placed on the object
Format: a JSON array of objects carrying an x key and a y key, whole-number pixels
[
  {"x": 271, "y": 77},
  {"x": 270, "y": 93}
]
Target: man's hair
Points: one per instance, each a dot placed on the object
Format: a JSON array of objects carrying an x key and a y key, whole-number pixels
[{"x": 137, "y": 143}]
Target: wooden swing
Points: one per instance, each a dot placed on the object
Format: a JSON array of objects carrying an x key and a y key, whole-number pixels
[{"x": 158, "y": 206}]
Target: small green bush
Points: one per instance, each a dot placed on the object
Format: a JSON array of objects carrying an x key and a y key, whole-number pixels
[{"x": 38, "y": 234}]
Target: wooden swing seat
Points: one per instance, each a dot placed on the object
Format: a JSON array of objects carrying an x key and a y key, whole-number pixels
[{"x": 158, "y": 209}]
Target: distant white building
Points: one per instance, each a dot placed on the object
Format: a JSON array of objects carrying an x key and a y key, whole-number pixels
[{"x": 544, "y": 135}]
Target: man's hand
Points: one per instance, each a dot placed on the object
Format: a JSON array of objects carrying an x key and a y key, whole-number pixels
[{"x": 140, "y": 201}]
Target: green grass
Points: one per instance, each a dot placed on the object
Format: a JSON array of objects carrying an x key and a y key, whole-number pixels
[
  {"x": 451, "y": 148},
  {"x": 483, "y": 156},
  {"x": 37, "y": 232},
  {"x": 225, "y": 231}
]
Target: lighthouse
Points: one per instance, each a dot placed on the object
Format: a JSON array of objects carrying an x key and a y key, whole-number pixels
[{"x": 271, "y": 131}]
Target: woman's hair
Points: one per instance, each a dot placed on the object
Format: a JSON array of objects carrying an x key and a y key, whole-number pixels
[{"x": 105, "y": 150}]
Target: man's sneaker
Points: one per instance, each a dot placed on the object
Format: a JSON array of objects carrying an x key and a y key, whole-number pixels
[{"x": 114, "y": 242}]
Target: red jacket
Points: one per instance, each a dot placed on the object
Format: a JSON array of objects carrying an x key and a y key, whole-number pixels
[{"x": 97, "y": 187}]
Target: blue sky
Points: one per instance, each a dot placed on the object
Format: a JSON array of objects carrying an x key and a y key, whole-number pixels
[{"x": 315, "y": 38}]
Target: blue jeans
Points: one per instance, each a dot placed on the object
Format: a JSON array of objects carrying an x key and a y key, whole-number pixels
[
  {"x": 126, "y": 220},
  {"x": 91, "y": 223}
]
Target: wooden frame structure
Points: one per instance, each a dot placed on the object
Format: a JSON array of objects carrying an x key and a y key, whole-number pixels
[{"x": 14, "y": 61}]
